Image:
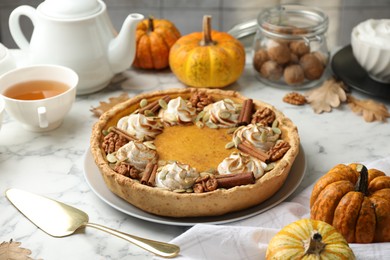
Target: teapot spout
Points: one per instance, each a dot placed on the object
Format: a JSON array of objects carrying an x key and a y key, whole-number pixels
[{"x": 122, "y": 48}]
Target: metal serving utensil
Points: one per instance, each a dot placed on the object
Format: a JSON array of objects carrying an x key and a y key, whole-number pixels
[{"x": 59, "y": 220}]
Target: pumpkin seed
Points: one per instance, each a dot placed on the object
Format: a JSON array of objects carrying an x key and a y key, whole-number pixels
[
  {"x": 149, "y": 113},
  {"x": 105, "y": 132},
  {"x": 143, "y": 103},
  {"x": 276, "y": 130},
  {"x": 275, "y": 123},
  {"x": 190, "y": 190},
  {"x": 231, "y": 130},
  {"x": 206, "y": 117},
  {"x": 150, "y": 145},
  {"x": 263, "y": 137},
  {"x": 179, "y": 190},
  {"x": 229, "y": 145},
  {"x": 236, "y": 140},
  {"x": 211, "y": 125},
  {"x": 269, "y": 167},
  {"x": 199, "y": 124},
  {"x": 224, "y": 114},
  {"x": 203, "y": 174},
  {"x": 163, "y": 104},
  {"x": 111, "y": 158},
  {"x": 228, "y": 100},
  {"x": 199, "y": 116}
]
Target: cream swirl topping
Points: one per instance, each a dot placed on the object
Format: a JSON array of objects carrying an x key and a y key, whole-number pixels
[
  {"x": 238, "y": 163},
  {"x": 374, "y": 31},
  {"x": 140, "y": 126},
  {"x": 261, "y": 137},
  {"x": 223, "y": 114},
  {"x": 178, "y": 111},
  {"x": 175, "y": 176},
  {"x": 137, "y": 154}
]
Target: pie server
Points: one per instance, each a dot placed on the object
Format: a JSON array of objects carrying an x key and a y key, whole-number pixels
[{"x": 58, "y": 220}]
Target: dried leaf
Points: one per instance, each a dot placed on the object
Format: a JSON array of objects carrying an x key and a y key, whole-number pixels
[
  {"x": 104, "y": 106},
  {"x": 369, "y": 109},
  {"x": 329, "y": 95},
  {"x": 11, "y": 251}
]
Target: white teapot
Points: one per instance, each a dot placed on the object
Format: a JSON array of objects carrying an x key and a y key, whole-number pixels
[{"x": 79, "y": 35}]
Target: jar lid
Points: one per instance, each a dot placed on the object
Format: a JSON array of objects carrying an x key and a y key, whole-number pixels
[
  {"x": 293, "y": 21},
  {"x": 69, "y": 9}
]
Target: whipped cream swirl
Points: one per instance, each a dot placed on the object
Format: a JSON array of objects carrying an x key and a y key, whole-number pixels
[
  {"x": 261, "y": 137},
  {"x": 136, "y": 154},
  {"x": 178, "y": 111},
  {"x": 175, "y": 176},
  {"x": 238, "y": 163},
  {"x": 140, "y": 126},
  {"x": 223, "y": 113},
  {"x": 373, "y": 31}
]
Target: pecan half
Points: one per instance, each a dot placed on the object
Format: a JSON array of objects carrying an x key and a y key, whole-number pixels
[
  {"x": 264, "y": 116},
  {"x": 200, "y": 100},
  {"x": 278, "y": 150},
  {"x": 295, "y": 98},
  {"x": 205, "y": 184},
  {"x": 112, "y": 142},
  {"x": 127, "y": 170}
]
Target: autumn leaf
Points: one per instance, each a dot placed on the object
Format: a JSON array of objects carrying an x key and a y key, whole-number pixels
[
  {"x": 104, "y": 106},
  {"x": 329, "y": 95},
  {"x": 369, "y": 109},
  {"x": 12, "y": 251}
]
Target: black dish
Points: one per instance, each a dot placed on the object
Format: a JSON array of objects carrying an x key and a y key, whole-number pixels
[{"x": 346, "y": 67}]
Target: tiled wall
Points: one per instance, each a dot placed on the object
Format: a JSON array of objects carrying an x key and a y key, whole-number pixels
[{"x": 187, "y": 14}]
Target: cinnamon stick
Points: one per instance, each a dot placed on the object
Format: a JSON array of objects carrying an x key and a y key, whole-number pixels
[
  {"x": 231, "y": 180},
  {"x": 247, "y": 148},
  {"x": 150, "y": 170},
  {"x": 152, "y": 178},
  {"x": 154, "y": 106},
  {"x": 245, "y": 115},
  {"x": 122, "y": 133}
]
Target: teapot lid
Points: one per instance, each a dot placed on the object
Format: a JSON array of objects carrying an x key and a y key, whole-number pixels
[{"x": 70, "y": 8}]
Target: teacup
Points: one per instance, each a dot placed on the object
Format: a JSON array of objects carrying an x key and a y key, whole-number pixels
[
  {"x": 1, "y": 111},
  {"x": 7, "y": 62},
  {"x": 39, "y": 96}
]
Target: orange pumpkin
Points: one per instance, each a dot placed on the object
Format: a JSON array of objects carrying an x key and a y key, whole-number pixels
[
  {"x": 356, "y": 201},
  {"x": 154, "y": 38},
  {"x": 207, "y": 59}
]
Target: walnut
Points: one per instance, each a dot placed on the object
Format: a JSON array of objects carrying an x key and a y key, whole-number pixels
[
  {"x": 278, "y": 150},
  {"x": 293, "y": 74},
  {"x": 299, "y": 48},
  {"x": 271, "y": 70},
  {"x": 264, "y": 116},
  {"x": 127, "y": 170},
  {"x": 198, "y": 188},
  {"x": 200, "y": 100},
  {"x": 279, "y": 52},
  {"x": 259, "y": 58},
  {"x": 112, "y": 142},
  {"x": 312, "y": 66},
  {"x": 294, "y": 98}
]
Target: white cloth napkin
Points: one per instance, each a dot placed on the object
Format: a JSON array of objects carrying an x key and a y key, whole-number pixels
[{"x": 249, "y": 238}]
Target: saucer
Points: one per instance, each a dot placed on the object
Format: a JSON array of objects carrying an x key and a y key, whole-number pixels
[{"x": 346, "y": 67}]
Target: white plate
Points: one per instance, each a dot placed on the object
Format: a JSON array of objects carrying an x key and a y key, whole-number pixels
[{"x": 97, "y": 184}]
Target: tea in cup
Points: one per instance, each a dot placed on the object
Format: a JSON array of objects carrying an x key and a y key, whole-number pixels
[{"x": 39, "y": 96}]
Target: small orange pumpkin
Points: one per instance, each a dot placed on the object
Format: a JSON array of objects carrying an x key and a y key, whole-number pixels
[
  {"x": 356, "y": 201},
  {"x": 309, "y": 239},
  {"x": 154, "y": 38},
  {"x": 207, "y": 59}
]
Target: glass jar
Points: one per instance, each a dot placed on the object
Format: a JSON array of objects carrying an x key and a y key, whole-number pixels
[{"x": 289, "y": 49}]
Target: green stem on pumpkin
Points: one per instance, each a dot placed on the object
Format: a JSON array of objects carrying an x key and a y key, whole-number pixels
[
  {"x": 206, "y": 40},
  {"x": 362, "y": 182}
]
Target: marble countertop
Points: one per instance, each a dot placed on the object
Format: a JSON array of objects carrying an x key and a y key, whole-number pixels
[{"x": 51, "y": 164}]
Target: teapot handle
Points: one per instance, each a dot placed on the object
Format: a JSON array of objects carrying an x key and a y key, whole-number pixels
[{"x": 14, "y": 24}]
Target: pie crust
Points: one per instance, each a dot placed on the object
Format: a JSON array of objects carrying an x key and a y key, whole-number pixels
[{"x": 218, "y": 202}]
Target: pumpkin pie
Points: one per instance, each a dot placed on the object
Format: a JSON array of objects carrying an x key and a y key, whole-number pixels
[{"x": 194, "y": 152}]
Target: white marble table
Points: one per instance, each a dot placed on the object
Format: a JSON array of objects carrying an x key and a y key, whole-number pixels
[{"x": 51, "y": 164}]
